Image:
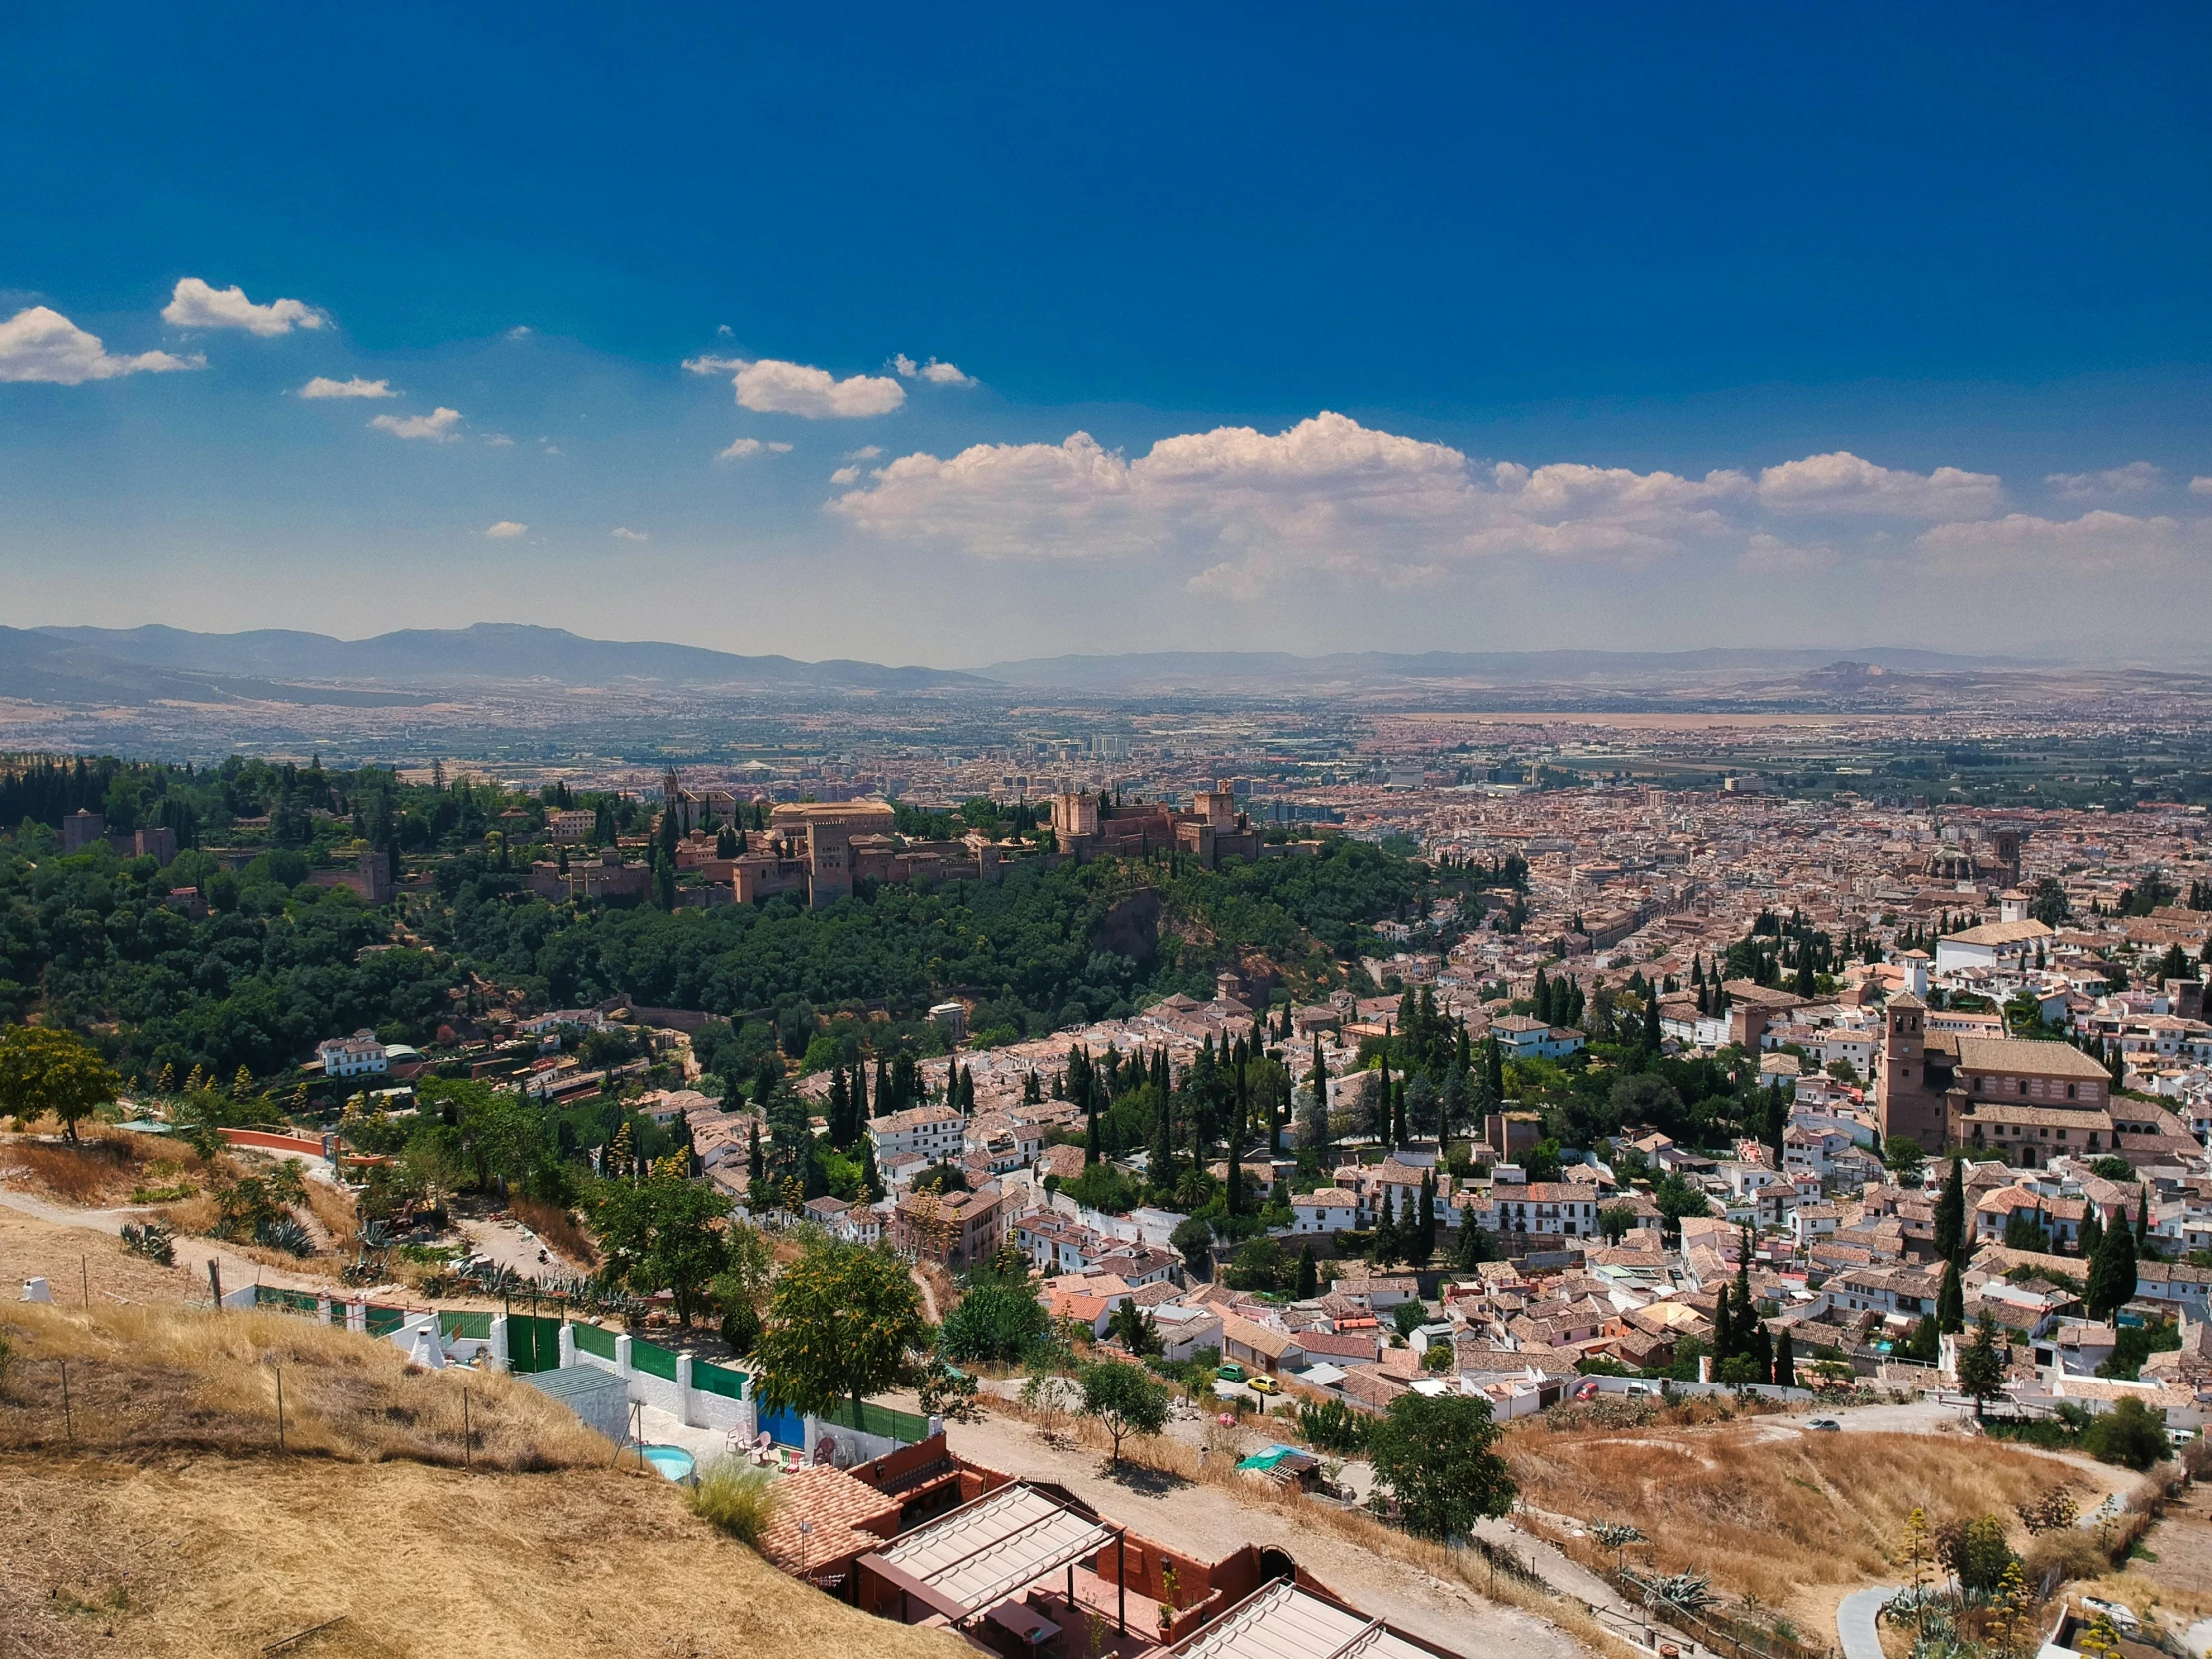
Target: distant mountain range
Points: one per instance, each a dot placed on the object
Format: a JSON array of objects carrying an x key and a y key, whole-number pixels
[
  {"x": 1256, "y": 671},
  {"x": 108, "y": 665},
  {"x": 415, "y": 666}
]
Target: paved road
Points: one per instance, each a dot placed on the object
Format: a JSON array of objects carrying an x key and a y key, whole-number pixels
[{"x": 1855, "y": 1626}]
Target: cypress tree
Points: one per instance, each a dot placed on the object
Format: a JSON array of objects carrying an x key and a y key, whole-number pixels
[
  {"x": 1784, "y": 1361},
  {"x": 1724, "y": 1325},
  {"x": 2092, "y": 1230},
  {"x": 1309, "y": 1272},
  {"x": 1761, "y": 1348},
  {"x": 1496, "y": 1065},
  {"x": 1383, "y": 1250},
  {"x": 1232, "y": 1174},
  {"x": 1425, "y": 1240},
  {"x": 1951, "y": 1300},
  {"x": 1950, "y": 1217},
  {"x": 860, "y": 1112},
  {"x": 2112, "y": 1273}
]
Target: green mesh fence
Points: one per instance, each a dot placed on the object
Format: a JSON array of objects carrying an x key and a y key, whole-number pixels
[
  {"x": 903, "y": 1426},
  {"x": 455, "y": 1322},
  {"x": 594, "y": 1338},
  {"x": 382, "y": 1322},
  {"x": 653, "y": 1359},
  {"x": 711, "y": 1379}
]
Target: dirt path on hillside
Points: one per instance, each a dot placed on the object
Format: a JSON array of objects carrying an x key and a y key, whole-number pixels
[{"x": 1207, "y": 1522}]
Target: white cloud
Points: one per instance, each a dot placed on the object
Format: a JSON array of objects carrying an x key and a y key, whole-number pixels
[
  {"x": 2022, "y": 544},
  {"x": 506, "y": 530},
  {"x": 620, "y": 534},
  {"x": 2200, "y": 486},
  {"x": 193, "y": 305},
  {"x": 2135, "y": 478},
  {"x": 322, "y": 387},
  {"x": 866, "y": 452},
  {"x": 42, "y": 345},
  {"x": 437, "y": 426},
  {"x": 1327, "y": 496},
  {"x": 846, "y": 475},
  {"x": 942, "y": 374},
  {"x": 520, "y": 330},
  {"x": 771, "y": 388},
  {"x": 743, "y": 447},
  {"x": 499, "y": 440},
  {"x": 1843, "y": 483},
  {"x": 713, "y": 365}
]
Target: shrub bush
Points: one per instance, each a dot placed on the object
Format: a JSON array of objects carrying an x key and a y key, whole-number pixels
[{"x": 734, "y": 1499}]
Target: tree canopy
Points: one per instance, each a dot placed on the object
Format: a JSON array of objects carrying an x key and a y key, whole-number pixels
[{"x": 842, "y": 1322}]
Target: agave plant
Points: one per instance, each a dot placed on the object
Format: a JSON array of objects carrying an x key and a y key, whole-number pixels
[
  {"x": 1688, "y": 1591},
  {"x": 151, "y": 1241},
  {"x": 285, "y": 1232}
]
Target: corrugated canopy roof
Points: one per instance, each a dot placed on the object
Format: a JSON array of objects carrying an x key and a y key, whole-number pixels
[
  {"x": 1283, "y": 1622},
  {"x": 980, "y": 1555}
]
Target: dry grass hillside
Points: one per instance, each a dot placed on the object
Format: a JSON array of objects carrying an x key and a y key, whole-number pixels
[
  {"x": 1785, "y": 1517},
  {"x": 160, "y": 1518}
]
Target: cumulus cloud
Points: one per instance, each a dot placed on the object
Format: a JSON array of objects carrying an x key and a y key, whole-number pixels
[
  {"x": 2135, "y": 478},
  {"x": 2022, "y": 543},
  {"x": 1327, "y": 496},
  {"x": 621, "y": 534},
  {"x": 2200, "y": 486},
  {"x": 1247, "y": 512},
  {"x": 846, "y": 475},
  {"x": 1843, "y": 483},
  {"x": 193, "y": 305},
  {"x": 42, "y": 345},
  {"x": 866, "y": 452},
  {"x": 506, "y": 530},
  {"x": 937, "y": 374},
  {"x": 322, "y": 387},
  {"x": 437, "y": 426},
  {"x": 745, "y": 448},
  {"x": 771, "y": 388}
]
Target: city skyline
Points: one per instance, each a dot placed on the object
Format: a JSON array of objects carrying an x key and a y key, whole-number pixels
[{"x": 1490, "y": 339}]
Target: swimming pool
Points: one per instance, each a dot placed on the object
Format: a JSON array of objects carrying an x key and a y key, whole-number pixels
[{"x": 671, "y": 1460}]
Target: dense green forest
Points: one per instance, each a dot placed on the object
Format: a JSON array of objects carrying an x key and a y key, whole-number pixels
[{"x": 95, "y": 942}]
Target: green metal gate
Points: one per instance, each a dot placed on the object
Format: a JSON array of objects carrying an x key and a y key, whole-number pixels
[{"x": 533, "y": 1343}]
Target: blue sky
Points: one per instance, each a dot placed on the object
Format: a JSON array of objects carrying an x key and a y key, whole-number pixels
[{"x": 1471, "y": 328}]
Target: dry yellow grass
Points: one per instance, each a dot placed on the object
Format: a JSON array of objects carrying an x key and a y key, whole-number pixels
[
  {"x": 171, "y": 1526},
  {"x": 102, "y": 1168},
  {"x": 1776, "y": 1516},
  {"x": 212, "y": 1559},
  {"x": 146, "y": 1382}
]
